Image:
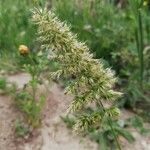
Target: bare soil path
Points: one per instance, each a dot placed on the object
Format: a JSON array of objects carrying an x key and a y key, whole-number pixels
[{"x": 53, "y": 134}]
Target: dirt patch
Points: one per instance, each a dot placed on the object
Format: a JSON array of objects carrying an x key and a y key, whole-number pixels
[
  {"x": 8, "y": 116},
  {"x": 53, "y": 134}
]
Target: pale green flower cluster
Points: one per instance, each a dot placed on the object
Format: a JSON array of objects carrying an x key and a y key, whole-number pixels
[{"x": 91, "y": 83}]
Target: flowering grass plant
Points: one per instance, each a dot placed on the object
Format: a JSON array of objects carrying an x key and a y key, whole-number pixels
[{"x": 92, "y": 82}]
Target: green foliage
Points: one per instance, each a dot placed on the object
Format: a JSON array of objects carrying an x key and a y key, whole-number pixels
[
  {"x": 29, "y": 102},
  {"x": 3, "y": 83},
  {"x": 105, "y": 139},
  {"x": 134, "y": 96},
  {"x": 138, "y": 123},
  {"x": 21, "y": 129},
  {"x": 6, "y": 87},
  {"x": 102, "y": 133},
  {"x": 30, "y": 108},
  {"x": 15, "y": 25},
  {"x": 15, "y": 28}
]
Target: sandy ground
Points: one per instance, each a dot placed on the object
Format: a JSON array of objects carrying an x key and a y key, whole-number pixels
[{"x": 53, "y": 134}]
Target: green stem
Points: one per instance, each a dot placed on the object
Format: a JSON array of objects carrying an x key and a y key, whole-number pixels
[
  {"x": 33, "y": 74},
  {"x": 141, "y": 39},
  {"x": 148, "y": 24},
  {"x": 33, "y": 88},
  {"x": 100, "y": 104},
  {"x": 137, "y": 40},
  {"x": 110, "y": 124}
]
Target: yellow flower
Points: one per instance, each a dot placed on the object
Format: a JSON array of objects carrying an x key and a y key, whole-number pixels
[
  {"x": 23, "y": 50},
  {"x": 145, "y": 2}
]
